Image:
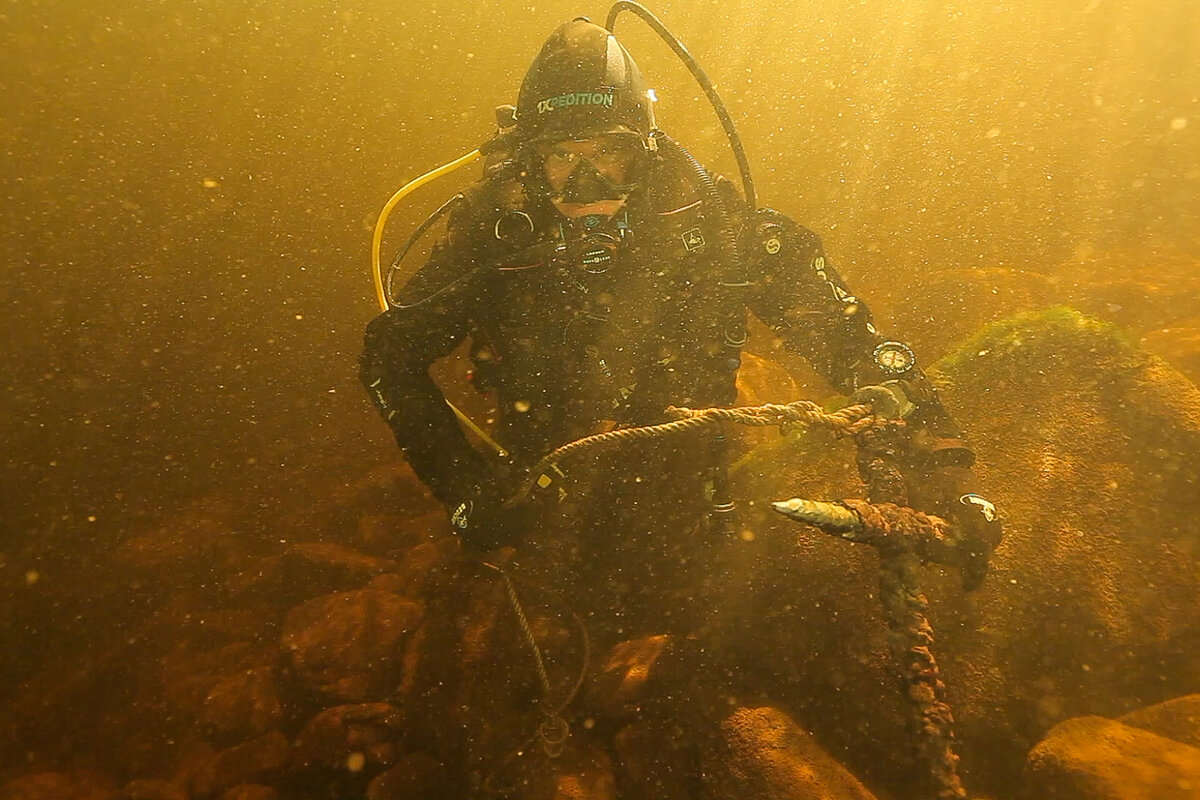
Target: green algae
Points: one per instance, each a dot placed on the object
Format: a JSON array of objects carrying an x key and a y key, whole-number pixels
[{"x": 1060, "y": 329}]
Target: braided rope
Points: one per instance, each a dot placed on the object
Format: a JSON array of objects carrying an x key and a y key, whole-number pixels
[
  {"x": 850, "y": 420},
  {"x": 523, "y": 621},
  {"x": 554, "y": 730}
]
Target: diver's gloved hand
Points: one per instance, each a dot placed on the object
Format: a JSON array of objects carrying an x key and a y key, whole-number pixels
[
  {"x": 484, "y": 522},
  {"x": 939, "y": 483},
  {"x": 981, "y": 531}
]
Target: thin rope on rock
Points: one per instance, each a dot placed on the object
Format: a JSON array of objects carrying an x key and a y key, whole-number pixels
[{"x": 554, "y": 730}]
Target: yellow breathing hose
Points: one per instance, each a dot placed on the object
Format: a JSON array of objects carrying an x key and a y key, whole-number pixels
[
  {"x": 411, "y": 186},
  {"x": 377, "y": 270}
]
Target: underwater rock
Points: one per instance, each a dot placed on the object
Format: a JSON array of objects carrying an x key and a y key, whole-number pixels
[
  {"x": 1091, "y": 450},
  {"x": 581, "y": 771},
  {"x": 941, "y": 309},
  {"x": 1093, "y": 758},
  {"x": 325, "y": 567},
  {"x": 416, "y": 566},
  {"x": 1139, "y": 290},
  {"x": 78, "y": 785},
  {"x": 349, "y": 737},
  {"x": 1177, "y": 719},
  {"x": 251, "y": 791},
  {"x": 389, "y": 533},
  {"x": 616, "y": 690},
  {"x": 655, "y": 761},
  {"x": 152, "y": 790},
  {"x": 417, "y": 776},
  {"x": 764, "y": 755},
  {"x": 189, "y": 673},
  {"x": 1178, "y": 345},
  {"x": 348, "y": 645},
  {"x": 261, "y": 759},
  {"x": 243, "y": 705}
]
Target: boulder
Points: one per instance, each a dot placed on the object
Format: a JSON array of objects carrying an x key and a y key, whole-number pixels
[
  {"x": 349, "y": 737},
  {"x": 258, "y": 760},
  {"x": 316, "y": 568},
  {"x": 655, "y": 761},
  {"x": 1177, "y": 719},
  {"x": 764, "y": 755},
  {"x": 581, "y": 771},
  {"x": 77, "y": 785},
  {"x": 1178, "y": 345},
  {"x": 349, "y": 645},
  {"x": 1093, "y": 758},
  {"x": 617, "y": 689},
  {"x": 250, "y": 791},
  {"x": 1090, "y": 448},
  {"x": 939, "y": 310},
  {"x": 243, "y": 705},
  {"x": 153, "y": 790},
  {"x": 416, "y": 566},
  {"x": 189, "y": 674},
  {"x": 417, "y": 776}
]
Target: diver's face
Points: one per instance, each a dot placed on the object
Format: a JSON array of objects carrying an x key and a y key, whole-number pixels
[{"x": 614, "y": 156}]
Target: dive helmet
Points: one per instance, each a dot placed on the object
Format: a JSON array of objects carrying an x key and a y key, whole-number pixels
[{"x": 583, "y": 83}]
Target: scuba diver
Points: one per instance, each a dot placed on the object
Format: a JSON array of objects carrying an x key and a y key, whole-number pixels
[{"x": 601, "y": 275}]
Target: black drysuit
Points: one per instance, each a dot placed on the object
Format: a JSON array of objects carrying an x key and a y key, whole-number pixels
[{"x": 572, "y": 326}]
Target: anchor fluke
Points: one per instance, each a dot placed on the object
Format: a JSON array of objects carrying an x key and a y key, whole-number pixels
[{"x": 829, "y": 517}]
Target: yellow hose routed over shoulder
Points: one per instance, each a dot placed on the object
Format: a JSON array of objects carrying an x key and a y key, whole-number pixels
[
  {"x": 412, "y": 185},
  {"x": 377, "y": 270}
]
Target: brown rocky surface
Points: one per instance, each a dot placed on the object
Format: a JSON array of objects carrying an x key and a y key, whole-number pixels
[
  {"x": 1178, "y": 345},
  {"x": 1092, "y": 605},
  {"x": 243, "y": 705},
  {"x": 1144, "y": 292},
  {"x": 654, "y": 761},
  {"x": 153, "y": 790},
  {"x": 250, "y": 791},
  {"x": 348, "y": 645},
  {"x": 350, "y": 737},
  {"x": 326, "y": 567},
  {"x": 1093, "y": 758},
  {"x": 78, "y": 785},
  {"x": 617, "y": 688},
  {"x": 585, "y": 773},
  {"x": 1090, "y": 448},
  {"x": 764, "y": 755},
  {"x": 225, "y": 639},
  {"x": 258, "y": 760},
  {"x": 1178, "y": 719},
  {"x": 417, "y": 776}
]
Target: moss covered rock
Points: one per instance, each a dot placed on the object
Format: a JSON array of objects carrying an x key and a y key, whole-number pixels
[{"x": 1091, "y": 449}]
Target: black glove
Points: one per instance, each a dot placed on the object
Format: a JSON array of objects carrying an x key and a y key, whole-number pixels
[
  {"x": 484, "y": 522},
  {"x": 981, "y": 533}
]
